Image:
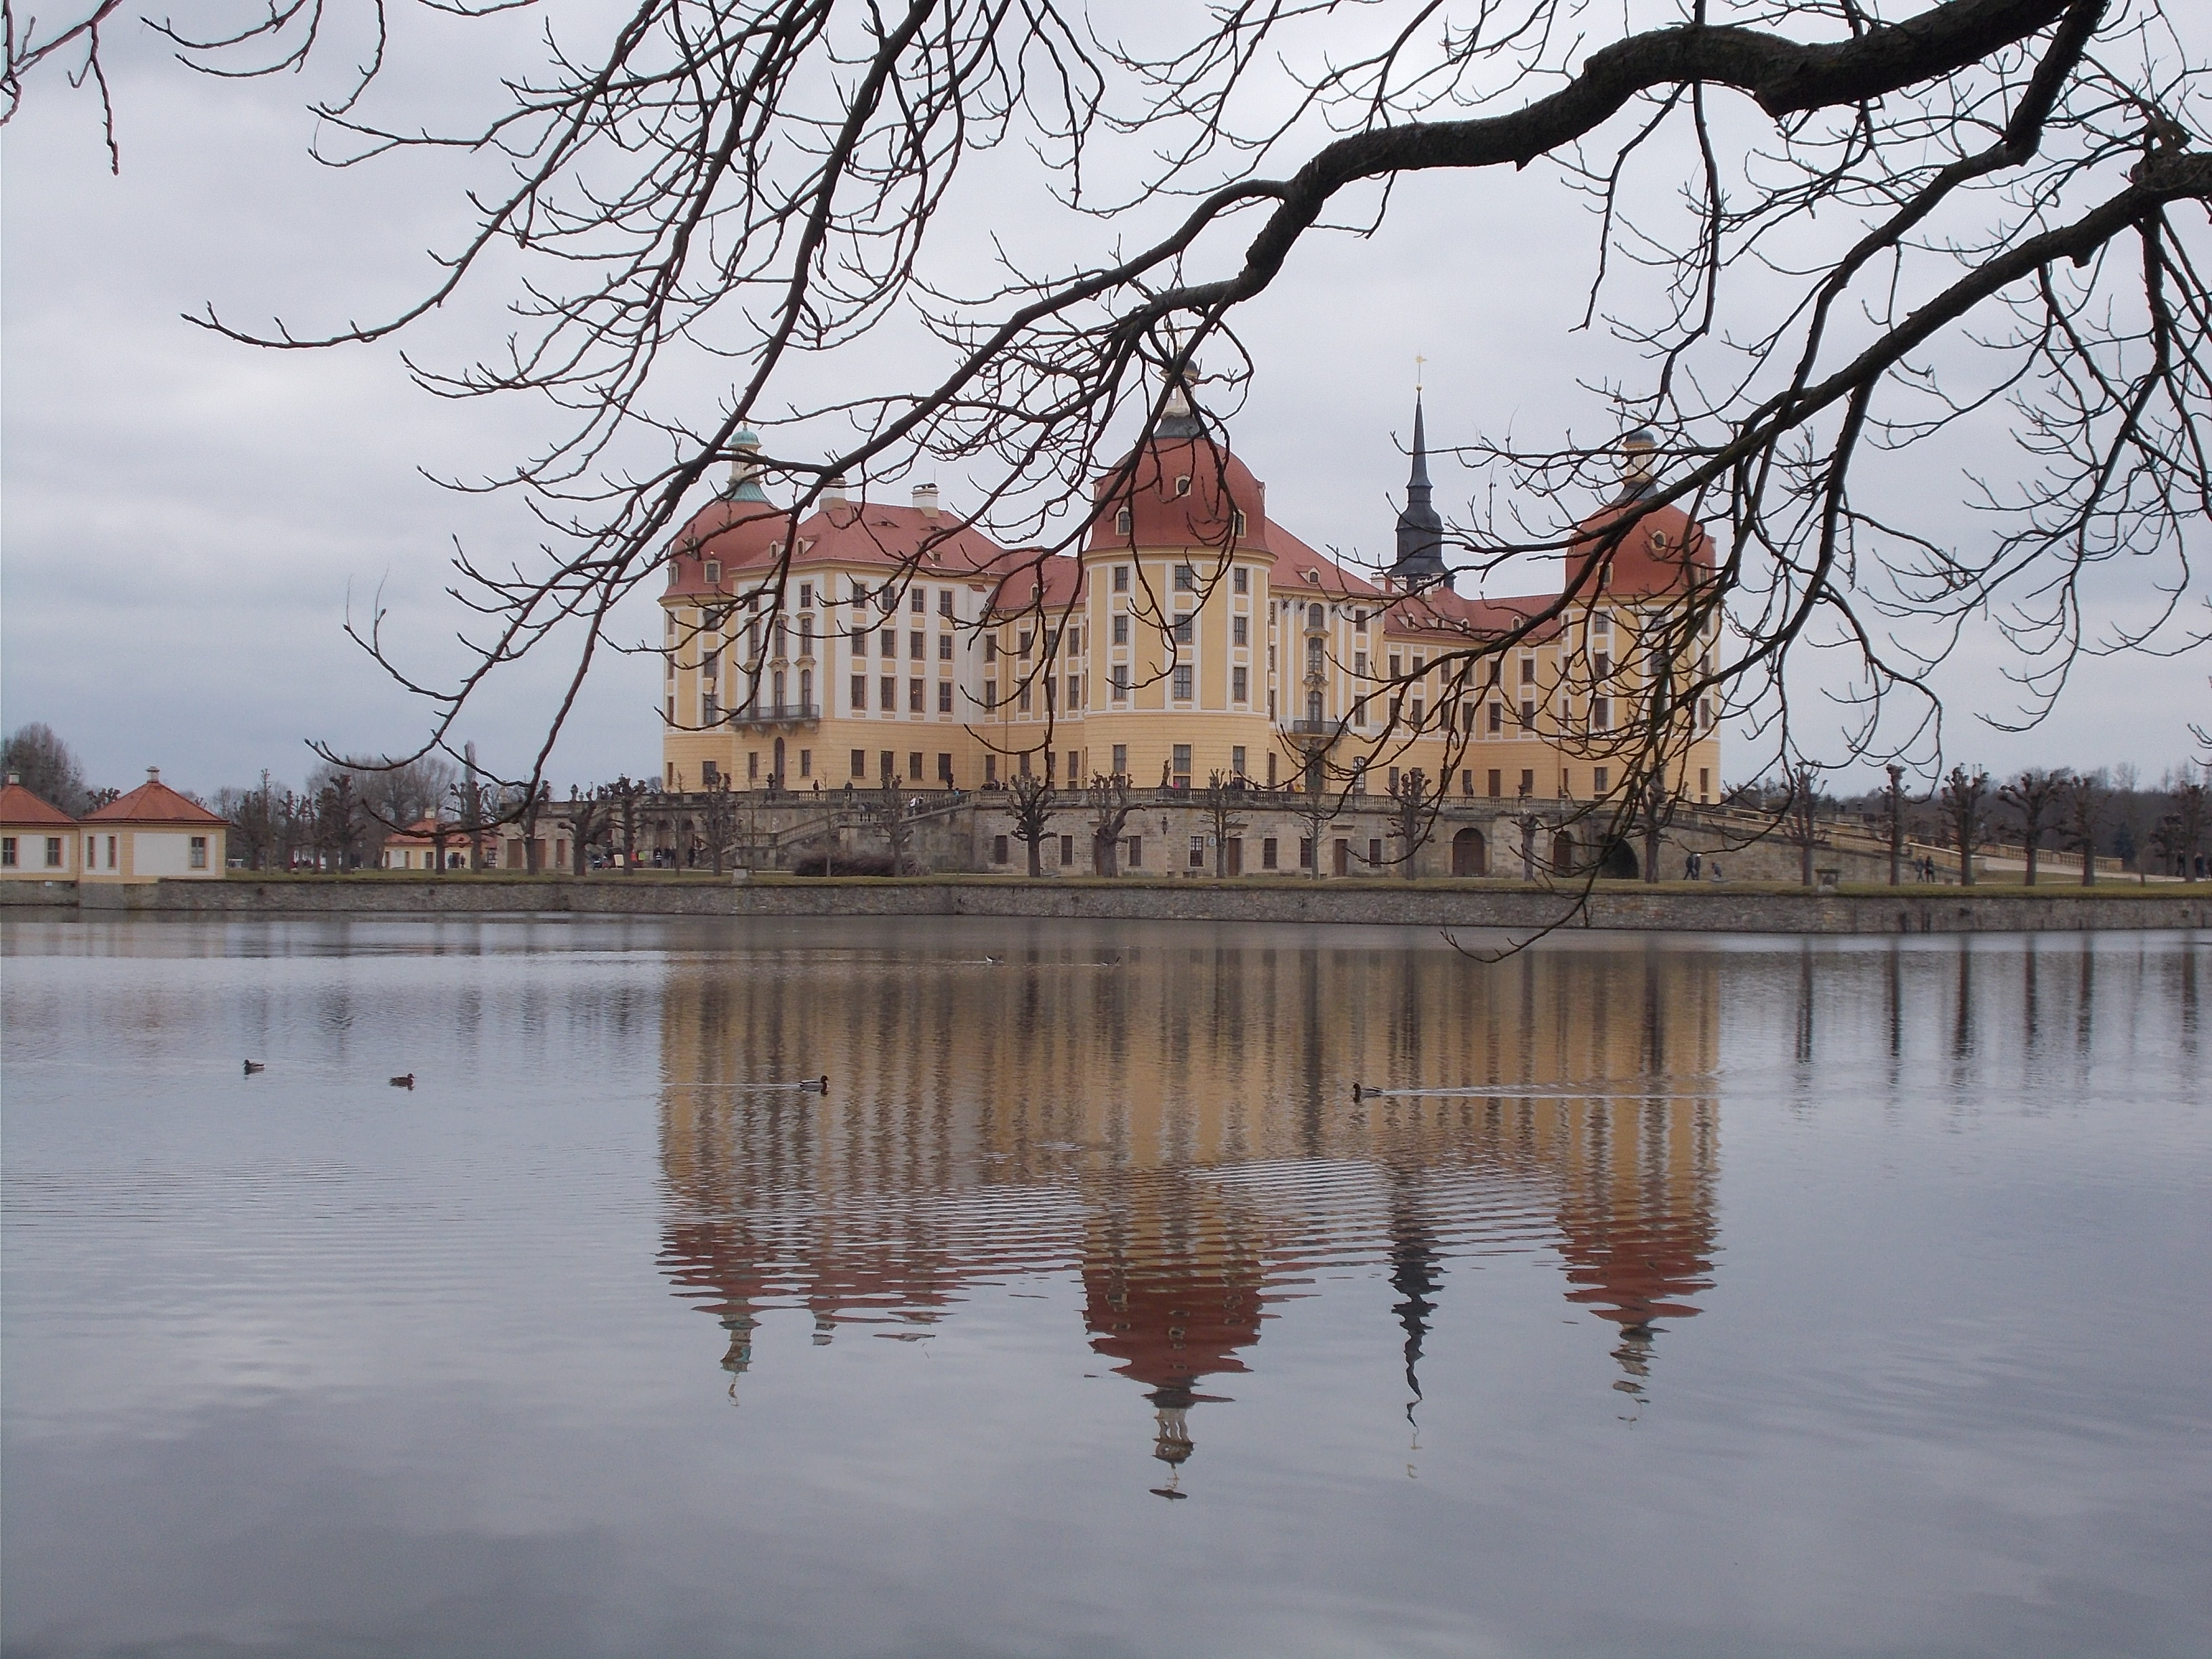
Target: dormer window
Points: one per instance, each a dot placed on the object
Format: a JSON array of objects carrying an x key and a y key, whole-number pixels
[
  {"x": 714, "y": 572},
  {"x": 1121, "y": 522},
  {"x": 1183, "y": 484},
  {"x": 1238, "y": 516}
]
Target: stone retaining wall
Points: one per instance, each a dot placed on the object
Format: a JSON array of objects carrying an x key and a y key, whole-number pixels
[{"x": 1722, "y": 909}]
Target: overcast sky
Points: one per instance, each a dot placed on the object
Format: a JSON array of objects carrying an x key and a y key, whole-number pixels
[{"x": 187, "y": 520}]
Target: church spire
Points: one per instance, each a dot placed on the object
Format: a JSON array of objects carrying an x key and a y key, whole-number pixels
[{"x": 1420, "y": 561}]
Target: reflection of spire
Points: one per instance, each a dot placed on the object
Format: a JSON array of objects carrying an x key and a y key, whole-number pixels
[
  {"x": 1172, "y": 1443},
  {"x": 1414, "y": 1275}
]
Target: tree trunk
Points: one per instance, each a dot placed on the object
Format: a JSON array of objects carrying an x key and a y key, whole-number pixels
[{"x": 1036, "y": 857}]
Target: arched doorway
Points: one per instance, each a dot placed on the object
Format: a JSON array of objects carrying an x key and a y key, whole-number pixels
[
  {"x": 775, "y": 776},
  {"x": 1562, "y": 854},
  {"x": 1470, "y": 856},
  {"x": 1620, "y": 863}
]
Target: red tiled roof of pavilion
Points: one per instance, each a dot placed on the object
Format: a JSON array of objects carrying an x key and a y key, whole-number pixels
[
  {"x": 153, "y": 802},
  {"x": 19, "y": 805}
]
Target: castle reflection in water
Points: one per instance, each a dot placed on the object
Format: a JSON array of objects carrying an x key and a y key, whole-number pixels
[{"x": 1177, "y": 1127}]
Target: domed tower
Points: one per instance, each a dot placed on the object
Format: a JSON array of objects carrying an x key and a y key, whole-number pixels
[
  {"x": 1420, "y": 563},
  {"x": 1176, "y": 594},
  {"x": 740, "y": 529}
]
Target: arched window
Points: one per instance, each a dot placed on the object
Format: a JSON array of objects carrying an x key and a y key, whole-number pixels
[{"x": 1317, "y": 619}]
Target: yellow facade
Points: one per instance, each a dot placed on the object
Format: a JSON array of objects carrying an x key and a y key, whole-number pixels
[{"x": 1165, "y": 665}]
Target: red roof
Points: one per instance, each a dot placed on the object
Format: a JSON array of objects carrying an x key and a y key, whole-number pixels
[
  {"x": 152, "y": 802},
  {"x": 19, "y": 805},
  {"x": 1300, "y": 572},
  {"x": 1441, "y": 614},
  {"x": 1649, "y": 556},
  {"x": 748, "y": 535},
  {"x": 1180, "y": 492}
]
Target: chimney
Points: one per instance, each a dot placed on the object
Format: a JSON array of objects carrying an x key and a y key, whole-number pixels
[
  {"x": 925, "y": 501},
  {"x": 153, "y": 775},
  {"x": 14, "y": 778},
  {"x": 833, "y": 491}
]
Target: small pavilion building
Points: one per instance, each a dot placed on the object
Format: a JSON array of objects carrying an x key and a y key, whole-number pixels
[
  {"x": 37, "y": 839},
  {"x": 152, "y": 834}
]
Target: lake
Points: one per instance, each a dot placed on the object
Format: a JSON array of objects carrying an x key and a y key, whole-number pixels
[{"x": 1131, "y": 1289}]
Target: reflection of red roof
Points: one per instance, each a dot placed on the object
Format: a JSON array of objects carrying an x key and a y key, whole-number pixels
[
  {"x": 153, "y": 802},
  {"x": 19, "y": 805}
]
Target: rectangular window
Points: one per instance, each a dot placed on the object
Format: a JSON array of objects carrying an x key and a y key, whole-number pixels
[
  {"x": 1186, "y": 579},
  {"x": 945, "y": 770},
  {"x": 990, "y": 694},
  {"x": 990, "y": 647},
  {"x": 1075, "y": 691},
  {"x": 943, "y": 601},
  {"x": 197, "y": 859},
  {"x": 886, "y": 764},
  {"x": 1023, "y": 699},
  {"x": 1269, "y": 854},
  {"x": 1067, "y": 851},
  {"x": 1601, "y": 665},
  {"x": 1397, "y": 666},
  {"x": 1358, "y": 662},
  {"x": 1497, "y": 783},
  {"x": 919, "y": 604},
  {"x": 1305, "y": 854},
  {"x": 1121, "y": 578},
  {"x": 111, "y": 852},
  {"x": 990, "y": 769},
  {"x": 1359, "y": 621},
  {"x": 913, "y": 646},
  {"x": 1528, "y": 671},
  {"x": 1022, "y": 643},
  {"x": 1133, "y": 852},
  {"x": 1528, "y": 781},
  {"x": 860, "y": 641},
  {"x": 54, "y": 847},
  {"x": 1528, "y": 714},
  {"x": 1239, "y": 684},
  {"x": 1240, "y": 628},
  {"x": 1600, "y": 779},
  {"x": 714, "y": 572},
  {"x": 1121, "y": 628},
  {"x": 889, "y": 686},
  {"x": 1182, "y": 628},
  {"x": 1118, "y": 677},
  {"x": 1121, "y": 762},
  {"x": 1467, "y": 781},
  {"x": 806, "y": 636},
  {"x": 709, "y": 776},
  {"x": 1240, "y": 580},
  {"x": 1705, "y": 788},
  {"x": 7, "y": 851},
  {"x": 859, "y": 692},
  {"x": 914, "y": 766},
  {"x": 806, "y": 763},
  {"x": 944, "y": 648},
  {"x": 945, "y": 696},
  {"x": 913, "y": 696},
  {"x": 1498, "y": 717},
  {"x": 1183, "y": 683},
  {"x": 806, "y": 596},
  {"x": 1237, "y": 762},
  {"x": 859, "y": 762},
  {"x": 1601, "y": 714},
  {"x": 999, "y": 849},
  {"x": 1374, "y": 854},
  {"x": 1183, "y": 765},
  {"x": 1198, "y": 852},
  {"x": 752, "y": 766}
]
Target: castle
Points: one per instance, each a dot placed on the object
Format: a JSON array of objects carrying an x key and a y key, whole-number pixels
[{"x": 1194, "y": 639}]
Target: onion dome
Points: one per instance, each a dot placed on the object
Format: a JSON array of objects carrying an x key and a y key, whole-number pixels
[
  {"x": 1662, "y": 550},
  {"x": 1180, "y": 490}
]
